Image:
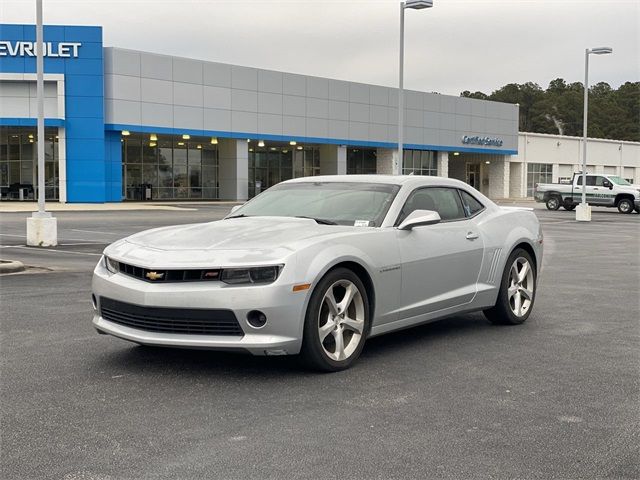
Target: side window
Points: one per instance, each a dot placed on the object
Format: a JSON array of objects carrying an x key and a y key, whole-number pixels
[
  {"x": 445, "y": 201},
  {"x": 470, "y": 204},
  {"x": 591, "y": 181},
  {"x": 599, "y": 181}
]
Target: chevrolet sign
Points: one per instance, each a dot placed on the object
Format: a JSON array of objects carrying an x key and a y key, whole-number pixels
[{"x": 29, "y": 49}]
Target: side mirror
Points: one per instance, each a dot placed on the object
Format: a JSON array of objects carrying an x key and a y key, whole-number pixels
[
  {"x": 607, "y": 184},
  {"x": 234, "y": 208},
  {"x": 417, "y": 218}
]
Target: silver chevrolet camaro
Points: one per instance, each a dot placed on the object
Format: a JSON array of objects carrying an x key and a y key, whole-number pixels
[{"x": 315, "y": 266}]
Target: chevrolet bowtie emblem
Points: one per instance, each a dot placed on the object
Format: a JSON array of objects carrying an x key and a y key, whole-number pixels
[{"x": 154, "y": 275}]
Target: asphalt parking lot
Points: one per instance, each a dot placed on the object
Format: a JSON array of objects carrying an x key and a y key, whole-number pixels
[{"x": 555, "y": 398}]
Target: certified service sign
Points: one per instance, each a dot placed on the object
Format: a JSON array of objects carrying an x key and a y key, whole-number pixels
[{"x": 476, "y": 140}]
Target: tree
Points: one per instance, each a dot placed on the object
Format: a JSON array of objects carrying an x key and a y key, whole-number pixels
[{"x": 613, "y": 114}]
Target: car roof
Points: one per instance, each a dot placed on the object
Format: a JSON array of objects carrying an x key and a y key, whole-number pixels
[{"x": 407, "y": 180}]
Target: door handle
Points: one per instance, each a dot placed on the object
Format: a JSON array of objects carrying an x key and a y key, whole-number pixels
[{"x": 472, "y": 236}]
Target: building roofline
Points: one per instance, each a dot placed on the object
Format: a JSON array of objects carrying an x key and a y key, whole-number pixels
[{"x": 551, "y": 135}]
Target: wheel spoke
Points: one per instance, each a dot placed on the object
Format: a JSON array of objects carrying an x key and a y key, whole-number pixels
[
  {"x": 523, "y": 273},
  {"x": 326, "y": 329},
  {"x": 512, "y": 291},
  {"x": 349, "y": 293},
  {"x": 355, "y": 325},
  {"x": 339, "y": 339},
  {"x": 517, "y": 304},
  {"x": 514, "y": 272},
  {"x": 330, "y": 300},
  {"x": 527, "y": 294}
]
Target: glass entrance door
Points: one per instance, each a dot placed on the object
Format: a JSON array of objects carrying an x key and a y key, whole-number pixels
[
  {"x": 19, "y": 163},
  {"x": 473, "y": 175}
]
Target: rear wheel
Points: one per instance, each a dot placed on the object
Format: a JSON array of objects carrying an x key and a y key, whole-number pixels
[
  {"x": 569, "y": 206},
  {"x": 517, "y": 291},
  {"x": 625, "y": 205},
  {"x": 337, "y": 322},
  {"x": 553, "y": 203}
]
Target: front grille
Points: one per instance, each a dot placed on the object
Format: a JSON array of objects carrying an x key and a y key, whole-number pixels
[
  {"x": 196, "y": 321},
  {"x": 168, "y": 276}
]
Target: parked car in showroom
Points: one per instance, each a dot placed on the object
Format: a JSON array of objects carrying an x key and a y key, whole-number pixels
[{"x": 315, "y": 266}]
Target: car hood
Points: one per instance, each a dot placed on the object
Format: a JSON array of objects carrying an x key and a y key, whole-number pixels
[{"x": 250, "y": 240}]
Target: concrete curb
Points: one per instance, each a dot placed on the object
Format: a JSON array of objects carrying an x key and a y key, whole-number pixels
[{"x": 10, "y": 266}]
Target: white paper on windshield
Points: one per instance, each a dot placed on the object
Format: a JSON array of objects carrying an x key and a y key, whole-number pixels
[{"x": 361, "y": 223}]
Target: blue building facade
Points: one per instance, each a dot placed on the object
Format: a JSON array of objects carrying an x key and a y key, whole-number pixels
[{"x": 74, "y": 58}]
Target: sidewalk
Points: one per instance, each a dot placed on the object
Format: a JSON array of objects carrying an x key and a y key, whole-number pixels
[{"x": 18, "y": 207}]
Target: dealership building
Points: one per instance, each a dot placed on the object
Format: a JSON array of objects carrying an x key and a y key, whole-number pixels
[{"x": 129, "y": 125}]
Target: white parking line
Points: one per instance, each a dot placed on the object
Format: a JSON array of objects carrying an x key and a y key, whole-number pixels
[
  {"x": 90, "y": 241},
  {"x": 94, "y": 231},
  {"x": 37, "y": 249}
]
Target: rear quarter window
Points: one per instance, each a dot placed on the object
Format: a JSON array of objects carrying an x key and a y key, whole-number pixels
[{"x": 470, "y": 204}]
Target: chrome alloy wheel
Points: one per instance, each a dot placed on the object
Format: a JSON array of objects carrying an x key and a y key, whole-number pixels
[
  {"x": 341, "y": 320},
  {"x": 521, "y": 285}
]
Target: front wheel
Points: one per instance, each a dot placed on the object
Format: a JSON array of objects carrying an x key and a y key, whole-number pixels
[
  {"x": 553, "y": 203},
  {"x": 517, "y": 291},
  {"x": 337, "y": 322},
  {"x": 625, "y": 205},
  {"x": 569, "y": 206}
]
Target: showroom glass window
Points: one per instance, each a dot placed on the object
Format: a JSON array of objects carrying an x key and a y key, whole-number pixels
[
  {"x": 538, "y": 173},
  {"x": 19, "y": 162},
  {"x": 419, "y": 162},
  {"x": 276, "y": 162},
  {"x": 361, "y": 161},
  {"x": 169, "y": 167}
]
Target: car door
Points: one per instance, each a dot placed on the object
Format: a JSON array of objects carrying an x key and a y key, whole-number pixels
[
  {"x": 441, "y": 262},
  {"x": 604, "y": 193},
  {"x": 597, "y": 193}
]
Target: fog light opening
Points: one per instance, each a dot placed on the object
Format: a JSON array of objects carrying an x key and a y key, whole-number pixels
[
  {"x": 256, "y": 319},
  {"x": 94, "y": 302}
]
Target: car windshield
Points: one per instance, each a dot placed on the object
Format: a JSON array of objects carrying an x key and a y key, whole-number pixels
[
  {"x": 341, "y": 203},
  {"x": 618, "y": 180}
]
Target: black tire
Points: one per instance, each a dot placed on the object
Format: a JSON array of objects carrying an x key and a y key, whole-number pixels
[
  {"x": 313, "y": 352},
  {"x": 570, "y": 207},
  {"x": 501, "y": 313},
  {"x": 553, "y": 202},
  {"x": 625, "y": 205},
  {"x": 638, "y": 210}
]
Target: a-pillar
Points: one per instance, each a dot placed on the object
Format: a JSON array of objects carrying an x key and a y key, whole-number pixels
[
  {"x": 385, "y": 159},
  {"x": 233, "y": 169},
  {"x": 443, "y": 164},
  {"x": 333, "y": 160}
]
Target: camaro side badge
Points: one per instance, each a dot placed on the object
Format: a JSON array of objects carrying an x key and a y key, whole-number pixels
[
  {"x": 390, "y": 268},
  {"x": 154, "y": 275}
]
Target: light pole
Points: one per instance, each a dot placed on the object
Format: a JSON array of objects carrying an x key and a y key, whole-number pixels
[
  {"x": 583, "y": 211},
  {"x": 41, "y": 226},
  {"x": 415, "y": 5}
]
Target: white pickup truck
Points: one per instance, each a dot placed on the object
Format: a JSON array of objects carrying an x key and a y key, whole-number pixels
[{"x": 602, "y": 191}]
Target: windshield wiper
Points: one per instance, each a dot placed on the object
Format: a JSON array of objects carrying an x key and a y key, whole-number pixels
[
  {"x": 320, "y": 221},
  {"x": 241, "y": 215}
]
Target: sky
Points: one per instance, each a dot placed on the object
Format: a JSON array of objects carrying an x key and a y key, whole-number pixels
[{"x": 456, "y": 45}]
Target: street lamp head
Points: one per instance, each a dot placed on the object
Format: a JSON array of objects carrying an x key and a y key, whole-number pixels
[
  {"x": 601, "y": 50},
  {"x": 418, "y": 4}
]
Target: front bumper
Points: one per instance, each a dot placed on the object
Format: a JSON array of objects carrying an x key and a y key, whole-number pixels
[{"x": 284, "y": 309}]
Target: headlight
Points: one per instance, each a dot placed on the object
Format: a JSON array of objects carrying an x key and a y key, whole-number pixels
[
  {"x": 112, "y": 265},
  {"x": 251, "y": 275}
]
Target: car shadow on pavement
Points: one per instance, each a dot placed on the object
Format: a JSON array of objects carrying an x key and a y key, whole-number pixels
[{"x": 146, "y": 360}]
